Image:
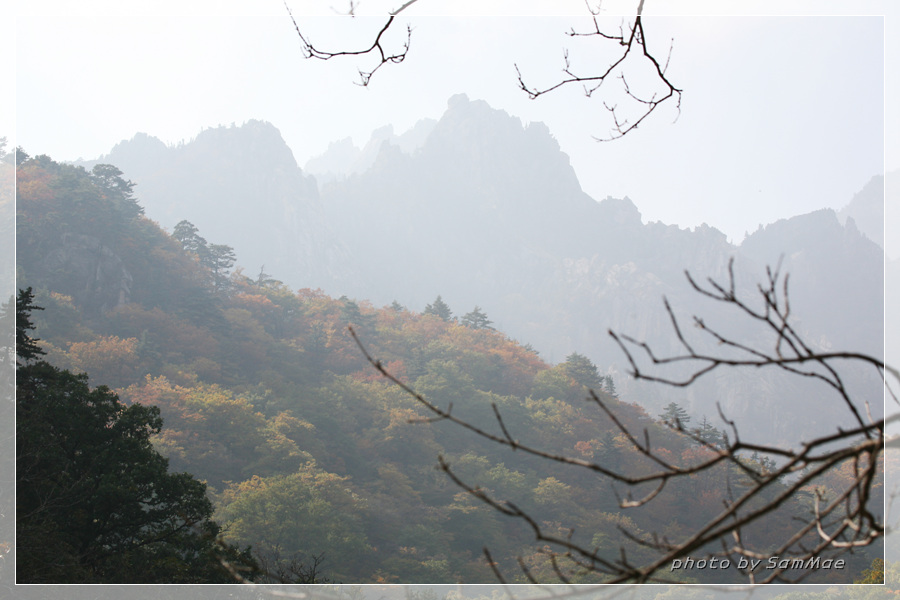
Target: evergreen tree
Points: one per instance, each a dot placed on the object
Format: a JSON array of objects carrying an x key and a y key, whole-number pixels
[
  {"x": 583, "y": 371},
  {"x": 439, "y": 309},
  {"x": 95, "y": 503},
  {"x": 476, "y": 320},
  {"x": 26, "y": 346},
  {"x": 674, "y": 416},
  {"x": 610, "y": 386},
  {"x": 219, "y": 258},
  {"x": 118, "y": 190},
  {"x": 708, "y": 433},
  {"x": 189, "y": 237}
]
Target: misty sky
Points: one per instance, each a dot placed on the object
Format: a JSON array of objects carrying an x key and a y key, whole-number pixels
[{"x": 780, "y": 115}]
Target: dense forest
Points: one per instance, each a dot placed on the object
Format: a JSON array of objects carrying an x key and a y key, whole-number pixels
[
  {"x": 308, "y": 455},
  {"x": 95, "y": 503}
]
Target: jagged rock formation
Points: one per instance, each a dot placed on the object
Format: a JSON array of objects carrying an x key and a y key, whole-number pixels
[{"x": 343, "y": 159}]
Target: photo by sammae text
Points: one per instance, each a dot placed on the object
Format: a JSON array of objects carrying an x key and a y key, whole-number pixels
[{"x": 753, "y": 564}]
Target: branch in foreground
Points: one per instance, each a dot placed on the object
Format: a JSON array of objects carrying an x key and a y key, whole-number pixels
[
  {"x": 830, "y": 526},
  {"x": 632, "y": 40},
  {"x": 376, "y": 47}
]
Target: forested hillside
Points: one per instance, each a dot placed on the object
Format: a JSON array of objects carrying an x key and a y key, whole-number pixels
[
  {"x": 95, "y": 502},
  {"x": 309, "y": 454}
]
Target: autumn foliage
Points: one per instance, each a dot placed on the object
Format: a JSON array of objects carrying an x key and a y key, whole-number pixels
[{"x": 308, "y": 451}]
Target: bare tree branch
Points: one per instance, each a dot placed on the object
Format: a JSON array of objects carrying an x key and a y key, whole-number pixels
[
  {"x": 829, "y": 526},
  {"x": 631, "y": 39},
  {"x": 376, "y": 47}
]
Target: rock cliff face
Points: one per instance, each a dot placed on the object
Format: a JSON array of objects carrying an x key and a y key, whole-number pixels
[{"x": 91, "y": 272}]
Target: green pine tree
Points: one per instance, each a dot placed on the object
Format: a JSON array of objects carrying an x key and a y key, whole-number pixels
[
  {"x": 583, "y": 371},
  {"x": 476, "y": 320},
  {"x": 440, "y": 309},
  {"x": 674, "y": 416}
]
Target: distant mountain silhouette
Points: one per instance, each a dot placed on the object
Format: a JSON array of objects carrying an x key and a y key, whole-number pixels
[{"x": 343, "y": 159}]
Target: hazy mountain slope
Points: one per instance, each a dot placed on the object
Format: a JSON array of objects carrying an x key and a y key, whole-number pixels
[
  {"x": 342, "y": 158},
  {"x": 240, "y": 186},
  {"x": 836, "y": 276},
  {"x": 488, "y": 211},
  {"x": 482, "y": 202},
  {"x": 867, "y": 210}
]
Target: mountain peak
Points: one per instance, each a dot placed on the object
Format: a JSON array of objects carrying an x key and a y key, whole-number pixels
[
  {"x": 457, "y": 101},
  {"x": 256, "y": 142},
  {"x": 142, "y": 147},
  {"x": 620, "y": 211},
  {"x": 479, "y": 143}
]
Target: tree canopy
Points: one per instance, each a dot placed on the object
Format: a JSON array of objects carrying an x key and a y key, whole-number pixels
[
  {"x": 439, "y": 308},
  {"x": 580, "y": 368},
  {"x": 95, "y": 502},
  {"x": 675, "y": 416},
  {"x": 476, "y": 319}
]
